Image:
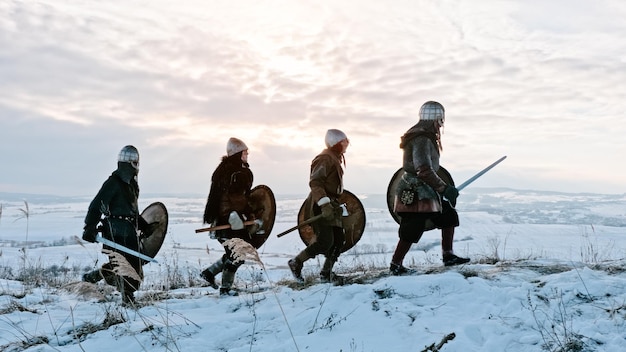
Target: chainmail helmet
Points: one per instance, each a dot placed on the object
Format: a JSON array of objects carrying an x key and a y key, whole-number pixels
[
  {"x": 129, "y": 154},
  {"x": 333, "y": 137},
  {"x": 432, "y": 111},
  {"x": 235, "y": 146}
]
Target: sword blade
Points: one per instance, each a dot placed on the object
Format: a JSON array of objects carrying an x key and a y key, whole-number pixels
[
  {"x": 480, "y": 173},
  {"x": 124, "y": 249}
]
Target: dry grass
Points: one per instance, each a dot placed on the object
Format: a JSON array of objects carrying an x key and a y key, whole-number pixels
[
  {"x": 243, "y": 251},
  {"x": 86, "y": 290},
  {"x": 121, "y": 266}
]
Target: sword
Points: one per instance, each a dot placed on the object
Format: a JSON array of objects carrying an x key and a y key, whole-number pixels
[
  {"x": 480, "y": 173},
  {"x": 124, "y": 249}
]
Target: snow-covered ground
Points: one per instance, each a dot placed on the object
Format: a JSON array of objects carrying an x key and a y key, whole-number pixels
[{"x": 547, "y": 273}]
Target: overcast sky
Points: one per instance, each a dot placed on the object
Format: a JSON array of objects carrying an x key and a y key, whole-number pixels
[{"x": 543, "y": 82}]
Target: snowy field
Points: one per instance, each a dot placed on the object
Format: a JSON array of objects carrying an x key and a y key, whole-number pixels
[{"x": 548, "y": 273}]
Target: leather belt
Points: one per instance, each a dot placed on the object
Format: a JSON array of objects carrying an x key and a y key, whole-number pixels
[{"x": 123, "y": 217}]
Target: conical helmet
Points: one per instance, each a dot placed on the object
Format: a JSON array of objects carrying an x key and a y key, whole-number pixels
[
  {"x": 432, "y": 110},
  {"x": 333, "y": 137},
  {"x": 234, "y": 146},
  {"x": 129, "y": 154}
]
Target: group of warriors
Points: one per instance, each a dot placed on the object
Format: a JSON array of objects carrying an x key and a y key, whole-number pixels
[{"x": 421, "y": 197}]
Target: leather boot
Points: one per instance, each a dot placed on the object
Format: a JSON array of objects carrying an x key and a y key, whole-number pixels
[
  {"x": 295, "y": 266},
  {"x": 93, "y": 276},
  {"x": 327, "y": 274},
  {"x": 228, "y": 277},
  {"x": 209, "y": 273}
]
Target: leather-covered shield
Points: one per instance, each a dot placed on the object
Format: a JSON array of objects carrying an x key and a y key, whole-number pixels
[
  {"x": 393, "y": 186},
  {"x": 151, "y": 243},
  {"x": 263, "y": 205},
  {"x": 353, "y": 224}
]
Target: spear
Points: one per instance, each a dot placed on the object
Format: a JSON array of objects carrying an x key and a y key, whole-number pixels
[{"x": 304, "y": 223}]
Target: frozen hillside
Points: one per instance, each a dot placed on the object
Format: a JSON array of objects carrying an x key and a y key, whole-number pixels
[{"x": 547, "y": 274}]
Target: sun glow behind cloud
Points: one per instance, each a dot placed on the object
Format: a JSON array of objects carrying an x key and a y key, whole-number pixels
[{"x": 190, "y": 74}]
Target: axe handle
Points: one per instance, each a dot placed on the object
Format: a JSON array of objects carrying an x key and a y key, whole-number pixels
[
  {"x": 302, "y": 224},
  {"x": 222, "y": 227}
]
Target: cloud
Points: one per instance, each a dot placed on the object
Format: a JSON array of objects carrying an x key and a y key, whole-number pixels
[{"x": 179, "y": 79}]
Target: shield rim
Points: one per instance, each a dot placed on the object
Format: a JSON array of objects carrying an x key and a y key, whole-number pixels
[
  {"x": 308, "y": 228},
  {"x": 267, "y": 227},
  {"x": 143, "y": 241},
  {"x": 445, "y": 175}
]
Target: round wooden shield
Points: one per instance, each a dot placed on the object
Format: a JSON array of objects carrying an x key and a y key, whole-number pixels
[
  {"x": 353, "y": 224},
  {"x": 393, "y": 186},
  {"x": 154, "y": 213},
  {"x": 263, "y": 206}
]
